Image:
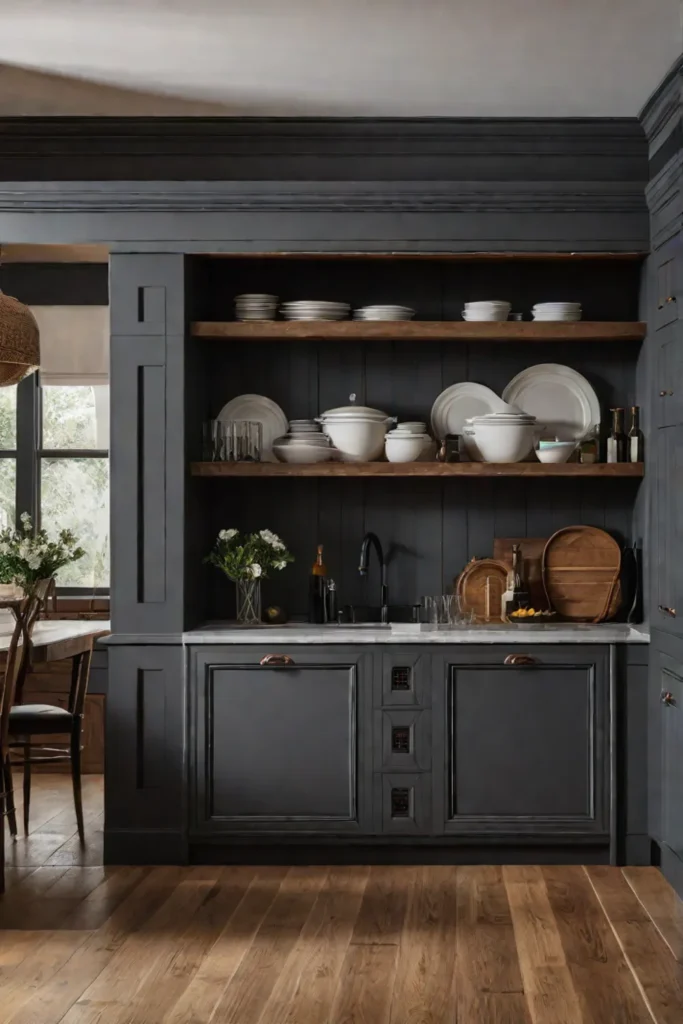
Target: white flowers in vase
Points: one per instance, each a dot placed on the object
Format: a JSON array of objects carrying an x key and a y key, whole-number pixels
[{"x": 251, "y": 557}]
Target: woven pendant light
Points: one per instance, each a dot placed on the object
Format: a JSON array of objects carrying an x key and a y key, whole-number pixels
[{"x": 19, "y": 341}]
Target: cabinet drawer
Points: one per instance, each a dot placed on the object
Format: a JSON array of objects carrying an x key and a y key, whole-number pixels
[
  {"x": 403, "y": 804},
  {"x": 403, "y": 739},
  {"x": 404, "y": 680}
]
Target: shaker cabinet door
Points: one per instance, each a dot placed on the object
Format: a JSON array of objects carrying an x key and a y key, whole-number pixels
[
  {"x": 667, "y": 263},
  {"x": 671, "y": 717},
  {"x": 668, "y": 615},
  {"x": 668, "y": 400},
  {"x": 278, "y": 744}
]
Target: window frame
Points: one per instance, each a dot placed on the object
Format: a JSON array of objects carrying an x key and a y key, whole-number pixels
[{"x": 28, "y": 456}]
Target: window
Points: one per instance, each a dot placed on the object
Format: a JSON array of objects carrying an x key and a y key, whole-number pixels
[{"x": 54, "y": 464}]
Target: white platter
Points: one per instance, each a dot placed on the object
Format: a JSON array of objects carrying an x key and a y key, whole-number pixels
[
  {"x": 563, "y": 401},
  {"x": 261, "y": 410},
  {"x": 458, "y": 403}
]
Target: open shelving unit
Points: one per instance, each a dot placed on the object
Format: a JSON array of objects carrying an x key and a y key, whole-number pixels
[{"x": 630, "y": 470}]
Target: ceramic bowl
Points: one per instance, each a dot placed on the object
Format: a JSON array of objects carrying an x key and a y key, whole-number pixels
[
  {"x": 498, "y": 443},
  {"x": 411, "y": 427},
  {"x": 407, "y": 448},
  {"x": 300, "y": 454},
  {"x": 358, "y": 440},
  {"x": 556, "y": 453}
]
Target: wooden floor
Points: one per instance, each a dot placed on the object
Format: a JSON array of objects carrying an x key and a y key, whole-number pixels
[{"x": 352, "y": 945}]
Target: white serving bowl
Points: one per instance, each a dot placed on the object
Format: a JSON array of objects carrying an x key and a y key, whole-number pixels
[
  {"x": 358, "y": 440},
  {"x": 407, "y": 448},
  {"x": 477, "y": 317},
  {"x": 410, "y": 427},
  {"x": 352, "y": 412},
  {"x": 302, "y": 453},
  {"x": 499, "y": 443},
  {"x": 556, "y": 453}
]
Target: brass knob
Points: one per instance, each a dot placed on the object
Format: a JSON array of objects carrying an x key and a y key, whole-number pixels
[
  {"x": 667, "y": 611},
  {"x": 671, "y": 298},
  {"x": 667, "y": 698},
  {"x": 663, "y": 394},
  {"x": 275, "y": 660},
  {"x": 519, "y": 659}
]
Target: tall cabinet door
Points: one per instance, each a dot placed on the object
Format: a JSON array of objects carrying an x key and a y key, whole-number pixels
[
  {"x": 668, "y": 614},
  {"x": 671, "y": 714}
]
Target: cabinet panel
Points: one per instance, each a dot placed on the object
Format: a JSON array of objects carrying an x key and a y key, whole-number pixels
[
  {"x": 668, "y": 615},
  {"x": 671, "y": 706},
  {"x": 403, "y": 804},
  {"x": 403, "y": 740},
  {"x": 527, "y": 748},
  {"x": 404, "y": 679},
  {"x": 280, "y": 748},
  {"x": 669, "y": 386},
  {"x": 667, "y": 273}
]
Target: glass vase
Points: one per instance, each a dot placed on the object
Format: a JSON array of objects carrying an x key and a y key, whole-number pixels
[{"x": 248, "y": 602}]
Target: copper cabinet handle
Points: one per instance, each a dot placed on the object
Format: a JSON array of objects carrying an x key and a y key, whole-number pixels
[
  {"x": 273, "y": 660},
  {"x": 667, "y": 611},
  {"x": 667, "y": 698},
  {"x": 663, "y": 394},
  {"x": 519, "y": 659}
]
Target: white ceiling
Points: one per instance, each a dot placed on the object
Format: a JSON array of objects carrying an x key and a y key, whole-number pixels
[{"x": 342, "y": 57}]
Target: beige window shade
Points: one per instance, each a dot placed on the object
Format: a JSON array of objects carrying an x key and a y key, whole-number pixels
[{"x": 74, "y": 344}]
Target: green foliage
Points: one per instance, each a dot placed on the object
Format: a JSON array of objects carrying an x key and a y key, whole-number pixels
[
  {"x": 249, "y": 558},
  {"x": 26, "y": 558}
]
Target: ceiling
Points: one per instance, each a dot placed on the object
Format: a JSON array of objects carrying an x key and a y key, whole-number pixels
[{"x": 335, "y": 57}]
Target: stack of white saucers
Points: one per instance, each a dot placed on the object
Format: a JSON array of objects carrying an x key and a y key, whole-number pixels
[
  {"x": 315, "y": 309},
  {"x": 408, "y": 442},
  {"x": 305, "y": 427},
  {"x": 557, "y": 311},
  {"x": 492, "y": 309},
  {"x": 303, "y": 444},
  {"x": 255, "y": 306},
  {"x": 384, "y": 313},
  {"x": 500, "y": 436}
]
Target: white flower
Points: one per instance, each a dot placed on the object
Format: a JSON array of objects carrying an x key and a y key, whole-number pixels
[
  {"x": 34, "y": 561},
  {"x": 227, "y": 534},
  {"x": 25, "y": 518},
  {"x": 279, "y": 565},
  {"x": 255, "y": 570},
  {"x": 272, "y": 538}
]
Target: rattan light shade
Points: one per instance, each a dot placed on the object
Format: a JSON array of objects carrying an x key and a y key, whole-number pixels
[{"x": 19, "y": 341}]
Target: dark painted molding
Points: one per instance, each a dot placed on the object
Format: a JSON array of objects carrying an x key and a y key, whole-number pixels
[
  {"x": 390, "y": 149},
  {"x": 57, "y": 284},
  {"x": 661, "y": 114}
]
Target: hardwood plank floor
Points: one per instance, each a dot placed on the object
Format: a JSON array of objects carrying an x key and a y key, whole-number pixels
[{"x": 83, "y": 944}]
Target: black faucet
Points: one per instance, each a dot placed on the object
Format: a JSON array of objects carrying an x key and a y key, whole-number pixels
[{"x": 373, "y": 539}]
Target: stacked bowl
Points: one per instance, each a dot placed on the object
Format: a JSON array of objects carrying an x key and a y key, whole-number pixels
[
  {"x": 304, "y": 442},
  {"x": 492, "y": 309},
  {"x": 500, "y": 436},
  {"x": 557, "y": 311},
  {"x": 384, "y": 313},
  {"x": 315, "y": 309},
  {"x": 356, "y": 431},
  {"x": 408, "y": 442},
  {"x": 255, "y": 306}
]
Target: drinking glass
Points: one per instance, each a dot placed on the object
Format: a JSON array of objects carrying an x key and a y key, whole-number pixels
[
  {"x": 214, "y": 441},
  {"x": 244, "y": 441}
]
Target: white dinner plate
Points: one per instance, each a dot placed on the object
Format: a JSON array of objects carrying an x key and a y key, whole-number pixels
[
  {"x": 560, "y": 398},
  {"x": 459, "y": 402},
  {"x": 261, "y": 410}
]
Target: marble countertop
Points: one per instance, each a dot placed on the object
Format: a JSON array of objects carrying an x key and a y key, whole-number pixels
[
  {"x": 54, "y": 631},
  {"x": 301, "y": 633}
]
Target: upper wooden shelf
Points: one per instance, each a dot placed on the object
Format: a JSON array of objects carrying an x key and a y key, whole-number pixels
[
  {"x": 413, "y": 469},
  {"x": 419, "y": 330}
]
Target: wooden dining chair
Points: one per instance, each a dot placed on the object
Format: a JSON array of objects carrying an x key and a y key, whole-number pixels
[{"x": 25, "y": 614}]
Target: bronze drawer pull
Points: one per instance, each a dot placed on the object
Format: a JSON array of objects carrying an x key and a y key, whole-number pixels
[
  {"x": 671, "y": 298},
  {"x": 276, "y": 660},
  {"x": 667, "y": 611},
  {"x": 667, "y": 698},
  {"x": 663, "y": 394},
  {"x": 519, "y": 659}
]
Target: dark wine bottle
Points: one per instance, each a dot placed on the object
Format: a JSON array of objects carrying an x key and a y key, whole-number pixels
[
  {"x": 616, "y": 440},
  {"x": 635, "y": 447},
  {"x": 317, "y": 589},
  {"x": 518, "y": 595}
]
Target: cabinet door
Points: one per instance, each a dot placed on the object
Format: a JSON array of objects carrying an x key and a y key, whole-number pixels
[
  {"x": 669, "y": 512},
  {"x": 527, "y": 747},
  {"x": 669, "y": 381},
  {"x": 281, "y": 747},
  {"x": 671, "y": 706},
  {"x": 667, "y": 260}
]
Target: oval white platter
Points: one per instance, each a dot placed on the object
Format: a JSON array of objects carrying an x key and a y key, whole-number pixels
[
  {"x": 461, "y": 401},
  {"x": 563, "y": 401},
  {"x": 262, "y": 410}
]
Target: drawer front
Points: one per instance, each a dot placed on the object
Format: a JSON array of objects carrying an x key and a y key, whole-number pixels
[
  {"x": 403, "y": 804},
  {"x": 404, "y": 680},
  {"x": 403, "y": 740}
]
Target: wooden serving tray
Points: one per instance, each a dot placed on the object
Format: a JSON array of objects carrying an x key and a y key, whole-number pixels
[
  {"x": 480, "y": 588},
  {"x": 581, "y": 567}
]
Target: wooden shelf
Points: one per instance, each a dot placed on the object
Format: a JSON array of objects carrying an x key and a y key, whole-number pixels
[
  {"x": 413, "y": 469},
  {"x": 418, "y": 330}
]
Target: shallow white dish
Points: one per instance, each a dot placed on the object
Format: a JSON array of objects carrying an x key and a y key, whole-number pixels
[
  {"x": 494, "y": 315},
  {"x": 410, "y": 427},
  {"x": 556, "y": 453},
  {"x": 301, "y": 454},
  {"x": 559, "y": 397},
  {"x": 261, "y": 410},
  {"x": 461, "y": 401}
]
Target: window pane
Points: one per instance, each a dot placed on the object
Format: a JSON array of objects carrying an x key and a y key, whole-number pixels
[
  {"x": 8, "y": 417},
  {"x": 75, "y": 496},
  {"x": 76, "y": 417},
  {"x": 8, "y": 486}
]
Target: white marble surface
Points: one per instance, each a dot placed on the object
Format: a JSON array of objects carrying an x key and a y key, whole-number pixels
[
  {"x": 54, "y": 631},
  {"x": 300, "y": 633}
]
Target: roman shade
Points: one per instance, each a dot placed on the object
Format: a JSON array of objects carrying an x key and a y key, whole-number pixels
[{"x": 74, "y": 344}]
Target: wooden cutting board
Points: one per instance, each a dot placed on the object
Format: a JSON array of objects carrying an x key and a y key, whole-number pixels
[
  {"x": 581, "y": 566},
  {"x": 480, "y": 588}
]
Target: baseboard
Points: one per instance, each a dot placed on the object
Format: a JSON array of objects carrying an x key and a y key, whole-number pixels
[
  {"x": 150, "y": 846},
  {"x": 638, "y": 851},
  {"x": 671, "y": 867}
]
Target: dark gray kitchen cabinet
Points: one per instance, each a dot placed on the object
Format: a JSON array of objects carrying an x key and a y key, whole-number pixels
[
  {"x": 670, "y": 698},
  {"x": 281, "y": 740},
  {"x": 526, "y": 739},
  {"x": 668, "y": 400},
  {"x": 668, "y": 613},
  {"x": 667, "y": 277}
]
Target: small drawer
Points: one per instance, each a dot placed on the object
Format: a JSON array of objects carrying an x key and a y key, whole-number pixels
[
  {"x": 404, "y": 680},
  {"x": 403, "y": 740},
  {"x": 403, "y": 804}
]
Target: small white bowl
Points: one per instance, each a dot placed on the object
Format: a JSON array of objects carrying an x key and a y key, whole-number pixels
[
  {"x": 407, "y": 448},
  {"x": 556, "y": 453},
  {"x": 300, "y": 454}
]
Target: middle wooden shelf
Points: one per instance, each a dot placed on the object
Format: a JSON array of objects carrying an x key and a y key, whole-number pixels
[{"x": 632, "y": 470}]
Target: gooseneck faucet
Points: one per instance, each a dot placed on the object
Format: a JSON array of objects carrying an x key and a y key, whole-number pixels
[{"x": 368, "y": 540}]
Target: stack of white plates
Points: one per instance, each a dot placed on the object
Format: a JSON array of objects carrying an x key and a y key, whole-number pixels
[
  {"x": 557, "y": 311},
  {"x": 492, "y": 309},
  {"x": 314, "y": 309},
  {"x": 255, "y": 306},
  {"x": 384, "y": 313},
  {"x": 304, "y": 427},
  {"x": 301, "y": 448}
]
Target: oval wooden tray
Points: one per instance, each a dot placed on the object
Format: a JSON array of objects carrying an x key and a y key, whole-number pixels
[
  {"x": 581, "y": 567},
  {"x": 474, "y": 595}
]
